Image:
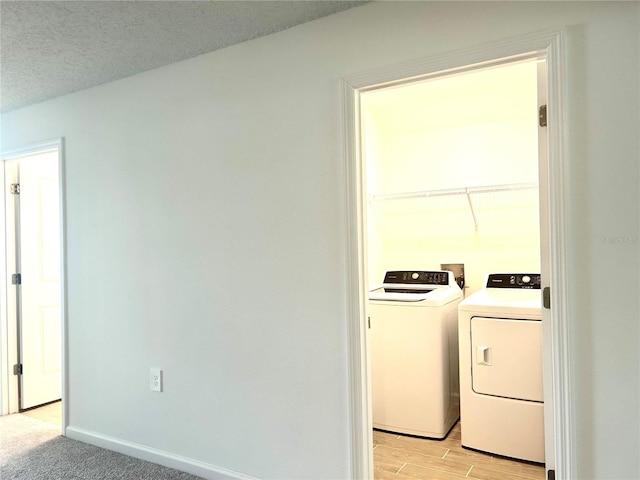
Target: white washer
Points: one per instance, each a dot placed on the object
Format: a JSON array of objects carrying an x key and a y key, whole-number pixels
[
  {"x": 414, "y": 356},
  {"x": 501, "y": 398}
]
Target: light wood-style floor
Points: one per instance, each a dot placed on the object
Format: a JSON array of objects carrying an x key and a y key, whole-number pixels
[
  {"x": 51, "y": 413},
  {"x": 399, "y": 457}
]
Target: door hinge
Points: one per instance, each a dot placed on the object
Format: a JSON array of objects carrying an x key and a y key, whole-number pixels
[
  {"x": 16, "y": 279},
  {"x": 15, "y": 188},
  {"x": 551, "y": 475},
  {"x": 542, "y": 115},
  {"x": 546, "y": 298},
  {"x": 17, "y": 369}
]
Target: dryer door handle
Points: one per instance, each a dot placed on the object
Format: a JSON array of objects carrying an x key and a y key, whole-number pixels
[{"x": 483, "y": 355}]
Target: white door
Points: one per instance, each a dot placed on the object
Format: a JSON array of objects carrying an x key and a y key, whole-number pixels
[{"x": 39, "y": 292}]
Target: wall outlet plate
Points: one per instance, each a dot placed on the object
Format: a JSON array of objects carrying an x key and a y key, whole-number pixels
[
  {"x": 458, "y": 271},
  {"x": 155, "y": 379}
]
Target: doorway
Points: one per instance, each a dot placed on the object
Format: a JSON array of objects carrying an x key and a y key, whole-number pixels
[
  {"x": 545, "y": 45},
  {"x": 451, "y": 177},
  {"x": 33, "y": 280}
]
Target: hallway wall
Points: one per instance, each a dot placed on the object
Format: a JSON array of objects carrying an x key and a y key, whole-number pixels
[{"x": 205, "y": 208}]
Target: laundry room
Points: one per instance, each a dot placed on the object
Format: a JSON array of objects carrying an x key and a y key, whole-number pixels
[{"x": 451, "y": 168}]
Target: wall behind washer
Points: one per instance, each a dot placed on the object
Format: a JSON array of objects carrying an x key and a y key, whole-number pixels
[
  {"x": 205, "y": 207},
  {"x": 463, "y": 131}
]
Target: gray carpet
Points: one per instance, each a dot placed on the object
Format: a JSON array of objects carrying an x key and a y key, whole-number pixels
[{"x": 31, "y": 449}]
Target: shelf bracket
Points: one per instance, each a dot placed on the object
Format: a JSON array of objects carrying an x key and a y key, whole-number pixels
[{"x": 473, "y": 213}]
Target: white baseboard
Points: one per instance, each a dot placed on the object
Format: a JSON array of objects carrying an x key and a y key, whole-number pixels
[{"x": 161, "y": 457}]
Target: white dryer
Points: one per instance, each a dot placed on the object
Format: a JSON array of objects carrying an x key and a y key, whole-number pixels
[
  {"x": 413, "y": 350},
  {"x": 501, "y": 397}
]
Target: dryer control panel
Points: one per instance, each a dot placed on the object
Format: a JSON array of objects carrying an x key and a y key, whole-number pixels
[{"x": 514, "y": 280}]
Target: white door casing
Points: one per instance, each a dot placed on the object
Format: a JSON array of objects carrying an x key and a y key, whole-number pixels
[
  {"x": 545, "y": 268},
  {"x": 8, "y": 294},
  {"x": 548, "y": 45}
]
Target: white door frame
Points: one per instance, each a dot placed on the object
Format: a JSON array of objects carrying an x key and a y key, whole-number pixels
[
  {"x": 8, "y": 346},
  {"x": 552, "y": 45}
]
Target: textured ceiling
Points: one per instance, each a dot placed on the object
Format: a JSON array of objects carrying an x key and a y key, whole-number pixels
[{"x": 51, "y": 48}]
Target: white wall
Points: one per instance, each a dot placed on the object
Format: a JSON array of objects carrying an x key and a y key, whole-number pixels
[
  {"x": 469, "y": 130},
  {"x": 373, "y": 147},
  {"x": 205, "y": 206}
]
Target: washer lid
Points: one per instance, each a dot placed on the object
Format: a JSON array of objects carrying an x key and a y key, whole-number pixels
[
  {"x": 399, "y": 293},
  {"x": 424, "y": 297}
]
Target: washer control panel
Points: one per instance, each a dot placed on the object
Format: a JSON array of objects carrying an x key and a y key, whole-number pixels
[
  {"x": 409, "y": 277},
  {"x": 514, "y": 280}
]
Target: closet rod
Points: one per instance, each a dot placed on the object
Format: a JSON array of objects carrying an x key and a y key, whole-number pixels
[{"x": 454, "y": 191}]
